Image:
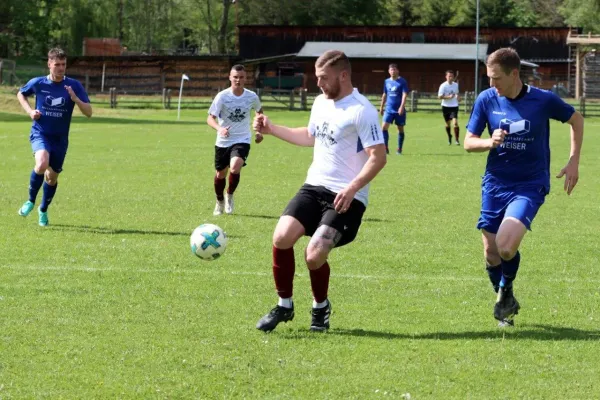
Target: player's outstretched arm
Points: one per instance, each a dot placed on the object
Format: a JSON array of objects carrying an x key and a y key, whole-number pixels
[
  {"x": 258, "y": 137},
  {"x": 375, "y": 163},
  {"x": 297, "y": 136},
  {"x": 571, "y": 170},
  {"x": 382, "y": 105}
]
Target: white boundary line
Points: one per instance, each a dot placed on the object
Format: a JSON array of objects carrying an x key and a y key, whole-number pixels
[{"x": 208, "y": 271}]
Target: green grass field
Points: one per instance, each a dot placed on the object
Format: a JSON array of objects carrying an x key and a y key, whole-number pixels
[{"x": 109, "y": 302}]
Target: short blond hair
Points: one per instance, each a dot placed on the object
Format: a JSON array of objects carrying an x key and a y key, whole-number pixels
[
  {"x": 507, "y": 58},
  {"x": 334, "y": 58}
]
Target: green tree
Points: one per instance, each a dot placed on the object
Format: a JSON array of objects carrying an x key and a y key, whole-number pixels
[
  {"x": 492, "y": 13},
  {"x": 582, "y": 13},
  {"x": 436, "y": 12},
  {"x": 401, "y": 12}
]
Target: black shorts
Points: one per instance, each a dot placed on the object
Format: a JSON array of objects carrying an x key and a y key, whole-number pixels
[
  {"x": 313, "y": 207},
  {"x": 223, "y": 155},
  {"x": 450, "y": 113}
]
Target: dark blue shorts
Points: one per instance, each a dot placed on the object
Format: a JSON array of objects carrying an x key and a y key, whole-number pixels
[
  {"x": 519, "y": 203},
  {"x": 395, "y": 118},
  {"x": 56, "y": 146}
]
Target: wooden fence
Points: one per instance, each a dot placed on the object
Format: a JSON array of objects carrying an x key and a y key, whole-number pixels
[{"x": 300, "y": 100}]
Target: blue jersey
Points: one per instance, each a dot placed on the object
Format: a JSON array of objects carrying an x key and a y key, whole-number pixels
[
  {"x": 524, "y": 157},
  {"x": 393, "y": 90},
  {"x": 55, "y": 104}
]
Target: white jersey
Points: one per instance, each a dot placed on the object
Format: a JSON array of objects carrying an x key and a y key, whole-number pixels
[
  {"x": 447, "y": 89},
  {"x": 342, "y": 130},
  {"x": 234, "y": 112}
]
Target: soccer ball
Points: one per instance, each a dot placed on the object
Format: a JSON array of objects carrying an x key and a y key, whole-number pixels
[{"x": 208, "y": 242}]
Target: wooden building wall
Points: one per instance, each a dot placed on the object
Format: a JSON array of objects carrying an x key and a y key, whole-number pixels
[
  {"x": 531, "y": 43},
  {"x": 150, "y": 74}
]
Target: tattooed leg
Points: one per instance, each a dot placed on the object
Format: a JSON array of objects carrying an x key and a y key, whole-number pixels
[{"x": 322, "y": 242}]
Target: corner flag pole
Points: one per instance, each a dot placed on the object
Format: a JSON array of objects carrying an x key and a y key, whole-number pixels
[
  {"x": 477, "y": 51},
  {"x": 184, "y": 77}
]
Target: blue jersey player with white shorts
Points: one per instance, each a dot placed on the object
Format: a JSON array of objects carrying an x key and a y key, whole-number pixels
[
  {"x": 393, "y": 106},
  {"x": 55, "y": 97},
  {"x": 517, "y": 175}
]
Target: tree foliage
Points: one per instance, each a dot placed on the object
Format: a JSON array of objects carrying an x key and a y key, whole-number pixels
[{"x": 28, "y": 28}]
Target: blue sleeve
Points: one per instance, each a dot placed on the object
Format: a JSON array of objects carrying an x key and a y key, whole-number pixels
[
  {"x": 478, "y": 119},
  {"x": 404, "y": 86},
  {"x": 29, "y": 88},
  {"x": 558, "y": 109},
  {"x": 80, "y": 91}
]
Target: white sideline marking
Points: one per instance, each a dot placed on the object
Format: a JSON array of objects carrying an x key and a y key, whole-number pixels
[
  {"x": 222, "y": 272},
  {"x": 411, "y": 277}
]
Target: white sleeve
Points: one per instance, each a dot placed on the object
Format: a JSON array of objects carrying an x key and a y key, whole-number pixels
[
  {"x": 311, "y": 122},
  {"x": 441, "y": 90},
  {"x": 215, "y": 107},
  {"x": 367, "y": 126},
  {"x": 257, "y": 104}
]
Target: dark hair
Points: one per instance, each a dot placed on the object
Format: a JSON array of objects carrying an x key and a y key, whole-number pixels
[
  {"x": 57, "y": 53},
  {"x": 508, "y": 59},
  {"x": 393, "y": 65},
  {"x": 334, "y": 58},
  {"x": 449, "y": 71},
  {"x": 238, "y": 68}
]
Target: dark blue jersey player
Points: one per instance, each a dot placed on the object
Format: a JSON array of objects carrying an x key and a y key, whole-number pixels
[
  {"x": 393, "y": 106},
  {"x": 517, "y": 174},
  {"x": 55, "y": 98}
]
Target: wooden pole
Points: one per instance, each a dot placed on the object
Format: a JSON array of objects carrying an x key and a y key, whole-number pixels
[{"x": 577, "y": 72}]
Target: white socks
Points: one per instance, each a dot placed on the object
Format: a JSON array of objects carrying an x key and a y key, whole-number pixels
[
  {"x": 287, "y": 303},
  {"x": 320, "y": 305}
]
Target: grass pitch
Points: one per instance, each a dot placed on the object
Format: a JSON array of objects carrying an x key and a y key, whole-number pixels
[{"x": 109, "y": 302}]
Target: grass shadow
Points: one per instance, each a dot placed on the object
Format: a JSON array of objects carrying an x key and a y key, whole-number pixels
[
  {"x": 119, "y": 231},
  {"x": 277, "y": 217},
  {"x": 526, "y": 331},
  {"x": 377, "y": 220},
  {"x": 260, "y": 216}
]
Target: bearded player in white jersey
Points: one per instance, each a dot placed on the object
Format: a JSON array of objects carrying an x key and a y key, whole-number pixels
[
  {"x": 229, "y": 115},
  {"x": 349, "y": 152}
]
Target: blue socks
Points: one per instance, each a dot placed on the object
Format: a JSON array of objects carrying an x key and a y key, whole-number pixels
[
  {"x": 35, "y": 183},
  {"x": 509, "y": 271},
  {"x": 495, "y": 274},
  {"x": 48, "y": 196},
  {"x": 400, "y": 140},
  {"x": 386, "y": 138}
]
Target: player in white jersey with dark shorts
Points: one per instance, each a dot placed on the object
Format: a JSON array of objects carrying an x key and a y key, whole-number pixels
[
  {"x": 229, "y": 115},
  {"x": 448, "y": 93},
  {"x": 349, "y": 152}
]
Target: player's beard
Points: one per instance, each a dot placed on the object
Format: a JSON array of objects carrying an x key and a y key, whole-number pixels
[{"x": 333, "y": 91}]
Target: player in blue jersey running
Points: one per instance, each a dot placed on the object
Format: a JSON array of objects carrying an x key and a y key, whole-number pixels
[
  {"x": 393, "y": 106},
  {"x": 517, "y": 175},
  {"x": 55, "y": 98}
]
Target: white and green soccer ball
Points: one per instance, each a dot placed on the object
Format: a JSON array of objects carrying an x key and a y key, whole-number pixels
[{"x": 208, "y": 242}]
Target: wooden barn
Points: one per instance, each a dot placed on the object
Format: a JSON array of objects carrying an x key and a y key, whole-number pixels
[
  {"x": 422, "y": 65},
  {"x": 150, "y": 74},
  {"x": 283, "y": 57},
  {"x": 278, "y": 52}
]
